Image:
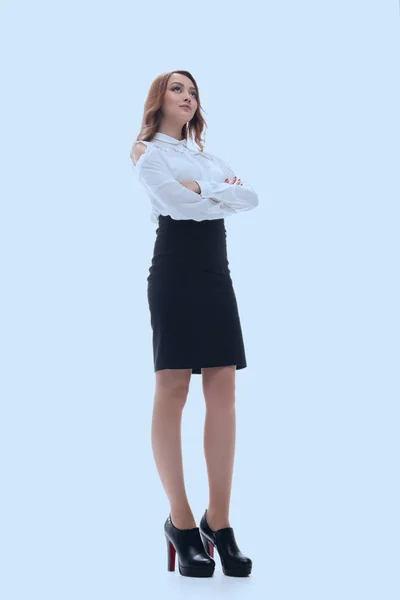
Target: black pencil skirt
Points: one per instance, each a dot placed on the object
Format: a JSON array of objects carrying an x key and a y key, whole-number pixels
[{"x": 193, "y": 310}]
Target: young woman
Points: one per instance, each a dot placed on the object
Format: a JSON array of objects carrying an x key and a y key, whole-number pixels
[{"x": 194, "y": 315}]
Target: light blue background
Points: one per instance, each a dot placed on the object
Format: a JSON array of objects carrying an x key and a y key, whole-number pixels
[{"x": 302, "y": 100}]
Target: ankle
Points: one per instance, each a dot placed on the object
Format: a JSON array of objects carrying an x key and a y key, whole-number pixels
[
  {"x": 217, "y": 519},
  {"x": 183, "y": 519}
]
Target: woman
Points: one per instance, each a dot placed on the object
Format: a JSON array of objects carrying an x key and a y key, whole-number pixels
[{"x": 194, "y": 315}]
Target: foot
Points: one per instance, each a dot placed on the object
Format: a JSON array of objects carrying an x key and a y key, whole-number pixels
[{"x": 220, "y": 535}]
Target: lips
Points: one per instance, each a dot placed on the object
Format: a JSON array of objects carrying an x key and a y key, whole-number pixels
[{"x": 186, "y": 106}]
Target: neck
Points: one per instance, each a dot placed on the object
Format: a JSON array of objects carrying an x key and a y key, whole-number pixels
[{"x": 171, "y": 129}]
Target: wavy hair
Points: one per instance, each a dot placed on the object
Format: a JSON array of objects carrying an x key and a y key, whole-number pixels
[{"x": 152, "y": 113}]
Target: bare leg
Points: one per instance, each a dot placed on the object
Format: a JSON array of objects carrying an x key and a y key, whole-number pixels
[
  {"x": 219, "y": 440},
  {"x": 172, "y": 387}
]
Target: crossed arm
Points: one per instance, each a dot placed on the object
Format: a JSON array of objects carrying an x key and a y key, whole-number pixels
[
  {"x": 194, "y": 186},
  {"x": 216, "y": 199}
]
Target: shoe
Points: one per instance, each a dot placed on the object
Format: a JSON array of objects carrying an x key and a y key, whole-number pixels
[
  {"x": 233, "y": 562},
  {"x": 193, "y": 561}
]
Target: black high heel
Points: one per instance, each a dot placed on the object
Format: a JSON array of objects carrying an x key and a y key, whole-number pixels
[
  {"x": 233, "y": 562},
  {"x": 193, "y": 561}
]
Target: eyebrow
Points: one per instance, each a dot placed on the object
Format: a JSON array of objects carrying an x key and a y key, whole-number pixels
[{"x": 191, "y": 88}]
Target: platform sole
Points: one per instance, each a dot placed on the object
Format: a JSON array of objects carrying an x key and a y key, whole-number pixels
[
  {"x": 196, "y": 571},
  {"x": 244, "y": 572}
]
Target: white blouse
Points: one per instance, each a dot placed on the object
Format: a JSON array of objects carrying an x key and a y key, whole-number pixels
[{"x": 167, "y": 161}]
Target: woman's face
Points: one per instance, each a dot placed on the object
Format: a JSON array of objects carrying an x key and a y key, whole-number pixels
[{"x": 180, "y": 92}]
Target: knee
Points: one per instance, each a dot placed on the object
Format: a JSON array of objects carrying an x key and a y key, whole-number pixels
[
  {"x": 220, "y": 402},
  {"x": 172, "y": 386}
]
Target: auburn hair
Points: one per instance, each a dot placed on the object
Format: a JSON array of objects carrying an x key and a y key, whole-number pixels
[{"x": 152, "y": 112}]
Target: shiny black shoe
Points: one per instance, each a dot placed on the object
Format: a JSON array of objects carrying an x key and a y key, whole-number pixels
[
  {"x": 233, "y": 562},
  {"x": 193, "y": 560}
]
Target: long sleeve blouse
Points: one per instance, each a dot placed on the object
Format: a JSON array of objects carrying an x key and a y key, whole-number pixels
[{"x": 168, "y": 161}]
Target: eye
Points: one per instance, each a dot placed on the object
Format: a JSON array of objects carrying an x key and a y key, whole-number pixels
[{"x": 179, "y": 87}]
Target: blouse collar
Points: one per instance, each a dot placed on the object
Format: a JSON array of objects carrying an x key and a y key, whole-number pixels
[{"x": 163, "y": 137}]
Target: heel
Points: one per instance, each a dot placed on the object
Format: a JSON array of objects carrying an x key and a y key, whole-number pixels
[
  {"x": 171, "y": 553},
  {"x": 208, "y": 546}
]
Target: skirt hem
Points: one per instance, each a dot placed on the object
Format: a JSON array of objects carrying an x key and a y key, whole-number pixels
[{"x": 197, "y": 370}]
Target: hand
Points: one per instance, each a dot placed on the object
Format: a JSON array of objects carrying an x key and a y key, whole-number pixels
[{"x": 233, "y": 181}]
